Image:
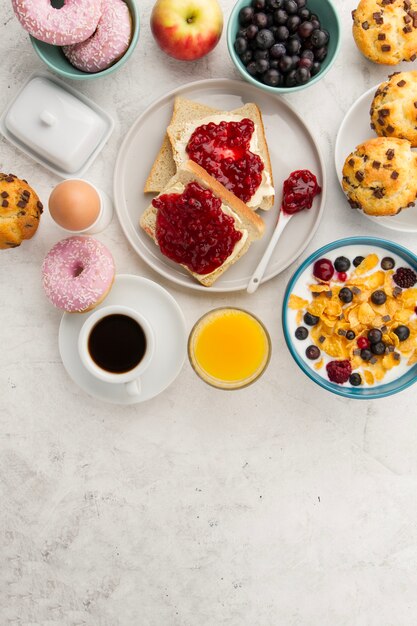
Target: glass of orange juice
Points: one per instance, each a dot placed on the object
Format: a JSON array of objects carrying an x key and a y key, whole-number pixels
[{"x": 229, "y": 348}]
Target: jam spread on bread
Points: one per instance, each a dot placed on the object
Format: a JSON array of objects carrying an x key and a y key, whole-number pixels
[
  {"x": 223, "y": 151},
  {"x": 300, "y": 188},
  {"x": 192, "y": 229}
]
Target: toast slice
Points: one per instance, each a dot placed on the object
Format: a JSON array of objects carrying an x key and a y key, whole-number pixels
[
  {"x": 251, "y": 225},
  {"x": 186, "y": 117},
  {"x": 164, "y": 167}
]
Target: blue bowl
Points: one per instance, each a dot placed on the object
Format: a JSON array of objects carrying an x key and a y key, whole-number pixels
[
  {"x": 329, "y": 19},
  {"x": 358, "y": 393},
  {"x": 54, "y": 58}
]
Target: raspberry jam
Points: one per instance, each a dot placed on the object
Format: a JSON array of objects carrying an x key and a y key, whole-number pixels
[
  {"x": 299, "y": 190},
  {"x": 192, "y": 229},
  {"x": 223, "y": 151}
]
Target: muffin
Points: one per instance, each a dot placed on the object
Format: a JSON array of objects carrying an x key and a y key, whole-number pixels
[
  {"x": 394, "y": 107},
  {"x": 385, "y": 31},
  {"x": 380, "y": 176},
  {"x": 20, "y": 211}
]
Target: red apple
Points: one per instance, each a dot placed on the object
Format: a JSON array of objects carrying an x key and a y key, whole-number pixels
[{"x": 187, "y": 29}]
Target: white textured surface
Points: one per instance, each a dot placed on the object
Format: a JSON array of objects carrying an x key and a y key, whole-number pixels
[{"x": 278, "y": 505}]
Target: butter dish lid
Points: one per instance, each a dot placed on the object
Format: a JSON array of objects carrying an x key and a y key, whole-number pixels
[{"x": 56, "y": 125}]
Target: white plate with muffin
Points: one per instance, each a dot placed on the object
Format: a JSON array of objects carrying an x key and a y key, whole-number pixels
[{"x": 375, "y": 156}]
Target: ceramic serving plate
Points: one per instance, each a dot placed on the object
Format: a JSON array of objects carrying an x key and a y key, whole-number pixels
[
  {"x": 291, "y": 147},
  {"x": 355, "y": 129}
]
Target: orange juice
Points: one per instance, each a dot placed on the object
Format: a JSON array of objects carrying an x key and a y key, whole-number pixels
[{"x": 229, "y": 348}]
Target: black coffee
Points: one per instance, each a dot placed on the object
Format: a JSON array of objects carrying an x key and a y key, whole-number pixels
[{"x": 117, "y": 343}]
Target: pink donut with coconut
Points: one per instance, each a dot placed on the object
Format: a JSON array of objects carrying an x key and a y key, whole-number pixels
[
  {"x": 72, "y": 23},
  {"x": 109, "y": 42},
  {"x": 78, "y": 273}
]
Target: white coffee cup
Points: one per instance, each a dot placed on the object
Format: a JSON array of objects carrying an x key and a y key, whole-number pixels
[{"x": 131, "y": 378}]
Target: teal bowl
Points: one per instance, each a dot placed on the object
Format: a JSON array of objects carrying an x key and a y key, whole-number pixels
[
  {"x": 357, "y": 393},
  {"x": 329, "y": 19},
  {"x": 54, "y": 58}
]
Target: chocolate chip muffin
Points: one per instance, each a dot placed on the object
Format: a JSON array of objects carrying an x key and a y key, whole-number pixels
[
  {"x": 385, "y": 31},
  {"x": 394, "y": 107},
  {"x": 380, "y": 176},
  {"x": 20, "y": 211}
]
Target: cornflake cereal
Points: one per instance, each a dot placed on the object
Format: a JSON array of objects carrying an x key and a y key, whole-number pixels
[{"x": 354, "y": 316}]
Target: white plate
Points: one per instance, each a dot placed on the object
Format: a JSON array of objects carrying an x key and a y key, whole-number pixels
[
  {"x": 355, "y": 129},
  {"x": 168, "y": 324},
  {"x": 291, "y": 147}
]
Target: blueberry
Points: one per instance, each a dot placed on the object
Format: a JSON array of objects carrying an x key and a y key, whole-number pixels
[
  {"x": 291, "y": 79},
  {"x": 358, "y": 260},
  {"x": 345, "y": 295},
  {"x": 251, "y": 31},
  {"x": 282, "y": 33},
  {"x": 305, "y": 29},
  {"x": 350, "y": 335},
  {"x": 355, "y": 379},
  {"x": 285, "y": 63},
  {"x": 320, "y": 54},
  {"x": 293, "y": 46},
  {"x": 260, "y": 20},
  {"x": 402, "y": 332},
  {"x": 280, "y": 17},
  {"x": 274, "y": 64},
  {"x": 316, "y": 67},
  {"x": 262, "y": 66},
  {"x": 290, "y": 7},
  {"x": 251, "y": 68},
  {"x": 261, "y": 54},
  {"x": 387, "y": 263},
  {"x": 378, "y": 348},
  {"x": 246, "y": 15},
  {"x": 310, "y": 320},
  {"x": 277, "y": 51},
  {"x": 312, "y": 353},
  {"x": 273, "y": 5},
  {"x": 258, "y": 5},
  {"x": 264, "y": 39},
  {"x": 293, "y": 23},
  {"x": 246, "y": 57},
  {"x": 301, "y": 333},
  {"x": 366, "y": 354},
  {"x": 307, "y": 54},
  {"x": 272, "y": 77},
  {"x": 302, "y": 75},
  {"x": 374, "y": 335},
  {"x": 342, "y": 264},
  {"x": 378, "y": 297},
  {"x": 315, "y": 21},
  {"x": 241, "y": 45},
  {"x": 301, "y": 3},
  {"x": 319, "y": 38},
  {"x": 306, "y": 63},
  {"x": 304, "y": 14}
]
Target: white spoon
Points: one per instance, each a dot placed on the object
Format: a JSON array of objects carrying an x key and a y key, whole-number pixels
[{"x": 257, "y": 275}]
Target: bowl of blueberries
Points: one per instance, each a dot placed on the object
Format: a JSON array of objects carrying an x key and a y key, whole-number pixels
[{"x": 283, "y": 45}]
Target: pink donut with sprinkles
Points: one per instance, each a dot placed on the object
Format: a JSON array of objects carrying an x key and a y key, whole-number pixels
[
  {"x": 74, "y": 22},
  {"x": 109, "y": 42},
  {"x": 78, "y": 273}
]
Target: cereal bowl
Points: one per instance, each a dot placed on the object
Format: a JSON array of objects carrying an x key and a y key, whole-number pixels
[
  {"x": 56, "y": 61},
  {"x": 329, "y": 20},
  {"x": 356, "y": 313}
]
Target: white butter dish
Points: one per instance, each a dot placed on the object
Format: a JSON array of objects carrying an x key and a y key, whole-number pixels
[{"x": 56, "y": 125}]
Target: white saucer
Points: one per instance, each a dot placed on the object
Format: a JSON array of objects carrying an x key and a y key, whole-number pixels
[
  {"x": 355, "y": 129},
  {"x": 168, "y": 324}
]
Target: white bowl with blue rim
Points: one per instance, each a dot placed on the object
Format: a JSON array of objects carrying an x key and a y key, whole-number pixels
[{"x": 373, "y": 244}]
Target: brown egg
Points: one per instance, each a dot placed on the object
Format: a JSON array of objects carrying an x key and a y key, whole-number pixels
[{"x": 74, "y": 204}]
